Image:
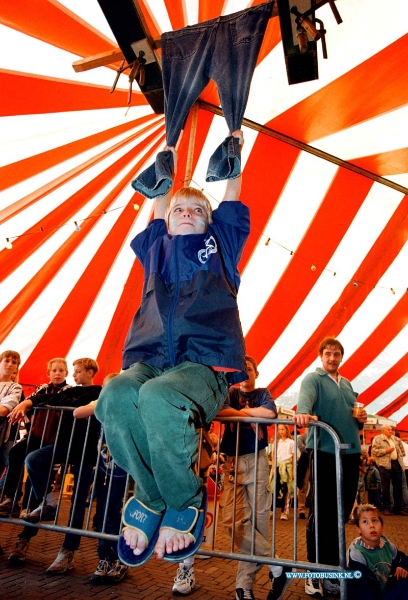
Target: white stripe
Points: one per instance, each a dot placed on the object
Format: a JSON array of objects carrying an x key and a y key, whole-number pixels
[
  {"x": 31, "y": 55},
  {"x": 348, "y": 256},
  {"x": 24, "y": 136},
  {"x": 293, "y": 214}
]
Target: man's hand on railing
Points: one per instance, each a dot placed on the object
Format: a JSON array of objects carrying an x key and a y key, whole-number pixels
[{"x": 303, "y": 420}]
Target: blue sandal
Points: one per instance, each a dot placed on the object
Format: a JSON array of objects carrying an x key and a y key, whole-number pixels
[
  {"x": 147, "y": 522},
  {"x": 190, "y": 521}
]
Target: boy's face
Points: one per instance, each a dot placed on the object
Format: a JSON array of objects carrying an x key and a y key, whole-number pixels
[
  {"x": 187, "y": 216},
  {"x": 370, "y": 528},
  {"x": 8, "y": 365},
  {"x": 82, "y": 376},
  {"x": 57, "y": 373},
  {"x": 249, "y": 384}
]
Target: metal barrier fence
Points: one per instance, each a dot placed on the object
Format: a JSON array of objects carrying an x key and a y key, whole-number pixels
[{"x": 86, "y": 458}]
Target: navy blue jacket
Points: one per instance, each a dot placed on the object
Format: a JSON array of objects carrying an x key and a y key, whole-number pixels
[{"x": 189, "y": 306}]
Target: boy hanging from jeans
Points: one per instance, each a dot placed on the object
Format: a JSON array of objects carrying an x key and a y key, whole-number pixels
[{"x": 183, "y": 349}]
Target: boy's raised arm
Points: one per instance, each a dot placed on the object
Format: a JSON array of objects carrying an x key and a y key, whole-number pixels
[
  {"x": 233, "y": 189},
  {"x": 160, "y": 203}
]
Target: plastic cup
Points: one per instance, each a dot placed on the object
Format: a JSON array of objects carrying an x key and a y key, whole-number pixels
[{"x": 358, "y": 409}]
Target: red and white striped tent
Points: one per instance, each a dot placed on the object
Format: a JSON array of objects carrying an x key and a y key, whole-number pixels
[{"x": 325, "y": 176}]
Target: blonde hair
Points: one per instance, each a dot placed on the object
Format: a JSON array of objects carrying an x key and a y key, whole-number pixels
[
  {"x": 88, "y": 363},
  {"x": 362, "y": 508},
  {"x": 193, "y": 193},
  {"x": 54, "y": 360},
  {"x": 287, "y": 429}
]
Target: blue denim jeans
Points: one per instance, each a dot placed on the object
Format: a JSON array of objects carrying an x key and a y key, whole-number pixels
[
  {"x": 150, "y": 418},
  {"x": 225, "y": 50},
  {"x": 109, "y": 500},
  {"x": 38, "y": 464}
]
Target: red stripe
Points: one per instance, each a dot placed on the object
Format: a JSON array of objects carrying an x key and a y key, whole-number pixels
[
  {"x": 26, "y": 244},
  {"x": 394, "y": 162},
  {"x": 382, "y": 384},
  {"x": 382, "y": 254},
  {"x": 28, "y": 167},
  {"x": 26, "y": 201},
  {"x": 398, "y": 403},
  {"x": 334, "y": 108},
  {"x": 318, "y": 246},
  {"x": 276, "y": 159},
  {"x": 61, "y": 333},
  {"x": 383, "y": 335},
  {"x": 19, "y": 305},
  {"x": 55, "y": 24},
  {"x": 110, "y": 355},
  {"x": 25, "y": 94},
  {"x": 403, "y": 425}
]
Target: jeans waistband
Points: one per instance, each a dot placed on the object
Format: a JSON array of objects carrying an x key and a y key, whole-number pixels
[{"x": 222, "y": 19}]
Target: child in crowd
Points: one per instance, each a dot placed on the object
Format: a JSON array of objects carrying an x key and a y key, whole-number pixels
[
  {"x": 54, "y": 449},
  {"x": 383, "y": 568},
  {"x": 373, "y": 483},
  {"x": 284, "y": 468},
  {"x": 183, "y": 348},
  {"x": 10, "y": 396},
  {"x": 109, "y": 500},
  {"x": 57, "y": 371}
]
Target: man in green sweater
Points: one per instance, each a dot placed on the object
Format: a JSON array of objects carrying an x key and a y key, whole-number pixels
[{"x": 328, "y": 397}]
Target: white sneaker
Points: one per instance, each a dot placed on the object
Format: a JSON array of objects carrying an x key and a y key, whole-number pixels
[
  {"x": 184, "y": 581},
  {"x": 314, "y": 587},
  {"x": 284, "y": 517}
]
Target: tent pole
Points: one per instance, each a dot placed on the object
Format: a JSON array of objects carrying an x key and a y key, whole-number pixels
[
  {"x": 306, "y": 148},
  {"x": 191, "y": 143}
]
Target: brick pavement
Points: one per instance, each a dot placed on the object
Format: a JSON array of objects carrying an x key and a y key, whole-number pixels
[{"x": 215, "y": 577}]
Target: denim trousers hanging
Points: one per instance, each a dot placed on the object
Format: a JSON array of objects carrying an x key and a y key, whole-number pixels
[{"x": 224, "y": 49}]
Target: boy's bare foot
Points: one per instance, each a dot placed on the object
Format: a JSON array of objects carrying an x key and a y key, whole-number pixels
[
  {"x": 135, "y": 539},
  {"x": 170, "y": 541}
]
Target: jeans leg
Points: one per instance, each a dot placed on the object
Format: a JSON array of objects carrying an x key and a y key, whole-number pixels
[
  {"x": 79, "y": 498},
  {"x": 385, "y": 475},
  {"x": 107, "y": 550},
  {"x": 224, "y": 49},
  {"x": 38, "y": 464},
  {"x": 14, "y": 478},
  {"x": 171, "y": 409},
  {"x": 396, "y": 476},
  {"x": 118, "y": 411}
]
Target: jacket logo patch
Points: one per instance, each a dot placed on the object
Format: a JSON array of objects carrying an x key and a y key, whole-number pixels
[{"x": 210, "y": 248}]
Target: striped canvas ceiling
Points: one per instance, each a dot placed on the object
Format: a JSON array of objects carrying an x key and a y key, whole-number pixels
[{"x": 326, "y": 177}]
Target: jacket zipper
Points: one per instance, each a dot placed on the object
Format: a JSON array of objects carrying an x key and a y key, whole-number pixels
[{"x": 170, "y": 321}]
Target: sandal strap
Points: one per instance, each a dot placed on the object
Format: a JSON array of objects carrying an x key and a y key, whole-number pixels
[
  {"x": 182, "y": 522},
  {"x": 138, "y": 516}
]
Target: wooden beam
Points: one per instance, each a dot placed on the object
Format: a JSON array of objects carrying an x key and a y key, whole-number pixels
[
  {"x": 216, "y": 110},
  {"x": 97, "y": 60}
]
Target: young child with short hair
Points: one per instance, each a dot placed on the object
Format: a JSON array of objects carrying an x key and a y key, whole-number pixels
[
  {"x": 384, "y": 568},
  {"x": 184, "y": 347},
  {"x": 57, "y": 371}
]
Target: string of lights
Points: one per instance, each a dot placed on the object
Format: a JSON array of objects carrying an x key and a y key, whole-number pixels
[{"x": 313, "y": 266}]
